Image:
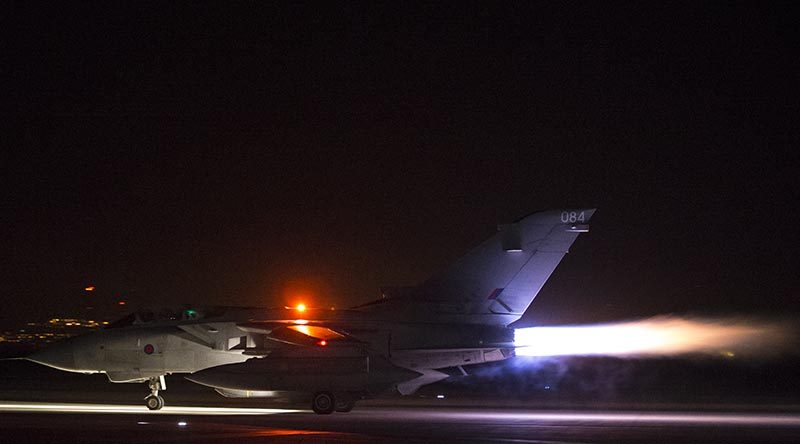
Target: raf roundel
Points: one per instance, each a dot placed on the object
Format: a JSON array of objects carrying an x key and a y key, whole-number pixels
[{"x": 149, "y": 349}]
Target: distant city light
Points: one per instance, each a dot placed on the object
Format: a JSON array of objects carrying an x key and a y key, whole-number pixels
[
  {"x": 52, "y": 330},
  {"x": 181, "y": 423},
  {"x": 89, "y": 288},
  {"x": 121, "y": 303}
]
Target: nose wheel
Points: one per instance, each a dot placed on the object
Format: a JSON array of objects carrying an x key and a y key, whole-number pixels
[{"x": 154, "y": 401}]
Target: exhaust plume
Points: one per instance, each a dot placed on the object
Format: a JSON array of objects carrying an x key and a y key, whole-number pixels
[{"x": 657, "y": 336}]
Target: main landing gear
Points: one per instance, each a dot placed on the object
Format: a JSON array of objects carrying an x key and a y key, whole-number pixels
[
  {"x": 345, "y": 402},
  {"x": 154, "y": 401},
  {"x": 325, "y": 403}
]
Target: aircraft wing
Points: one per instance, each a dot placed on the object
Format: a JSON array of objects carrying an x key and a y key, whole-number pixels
[{"x": 304, "y": 334}]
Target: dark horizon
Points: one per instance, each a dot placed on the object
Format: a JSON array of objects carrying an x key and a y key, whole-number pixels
[{"x": 233, "y": 157}]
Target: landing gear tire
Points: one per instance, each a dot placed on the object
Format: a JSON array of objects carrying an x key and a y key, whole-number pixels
[
  {"x": 323, "y": 403},
  {"x": 154, "y": 402},
  {"x": 345, "y": 403}
]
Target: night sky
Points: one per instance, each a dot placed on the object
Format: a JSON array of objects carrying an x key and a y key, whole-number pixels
[{"x": 208, "y": 155}]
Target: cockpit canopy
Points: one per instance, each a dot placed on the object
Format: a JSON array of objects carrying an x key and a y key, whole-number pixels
[{"x": 148, "y": 316}]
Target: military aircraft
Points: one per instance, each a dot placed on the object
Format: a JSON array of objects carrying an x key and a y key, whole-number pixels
[{"x": 410, "y": 337}]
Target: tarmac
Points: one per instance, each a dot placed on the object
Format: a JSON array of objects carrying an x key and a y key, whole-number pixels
[
  {"x": 43, "y": 422},
  {"x": 41, "y": 405}
]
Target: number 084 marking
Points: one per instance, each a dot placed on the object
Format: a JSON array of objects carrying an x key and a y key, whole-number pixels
[{"x": 573, "y": 216}]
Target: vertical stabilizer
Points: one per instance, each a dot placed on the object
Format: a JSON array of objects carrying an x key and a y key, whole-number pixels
[{"x": 497, "y": 281}]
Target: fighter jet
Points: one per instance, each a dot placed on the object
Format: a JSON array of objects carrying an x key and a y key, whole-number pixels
[{"x": 410, "y": 337}]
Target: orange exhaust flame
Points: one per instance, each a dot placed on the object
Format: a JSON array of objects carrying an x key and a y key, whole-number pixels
[{"x": 651, "y": 337}]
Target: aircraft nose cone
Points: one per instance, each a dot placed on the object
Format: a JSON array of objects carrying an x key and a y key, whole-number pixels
[{"x": 56, "y": 356}]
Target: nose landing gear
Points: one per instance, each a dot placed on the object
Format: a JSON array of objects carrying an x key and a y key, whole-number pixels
[{"x": 154, "y": 401}]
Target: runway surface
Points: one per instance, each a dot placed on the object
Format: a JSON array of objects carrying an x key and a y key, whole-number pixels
[{"x": 72, "y": 422}]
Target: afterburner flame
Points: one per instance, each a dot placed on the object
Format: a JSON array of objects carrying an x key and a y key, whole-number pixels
[{"x": 654, "y": 336}]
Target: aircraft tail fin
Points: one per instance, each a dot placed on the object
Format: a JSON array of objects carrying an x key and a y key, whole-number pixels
[{"x": 497, "y": 281}]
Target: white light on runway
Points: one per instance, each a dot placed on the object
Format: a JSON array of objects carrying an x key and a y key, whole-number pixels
[
  {"x": 599, "y": 417},
  {"x": 43, "y": 407}
]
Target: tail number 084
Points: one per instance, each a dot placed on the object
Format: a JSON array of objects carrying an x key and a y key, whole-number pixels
[{"x": 573, "y": 216}]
